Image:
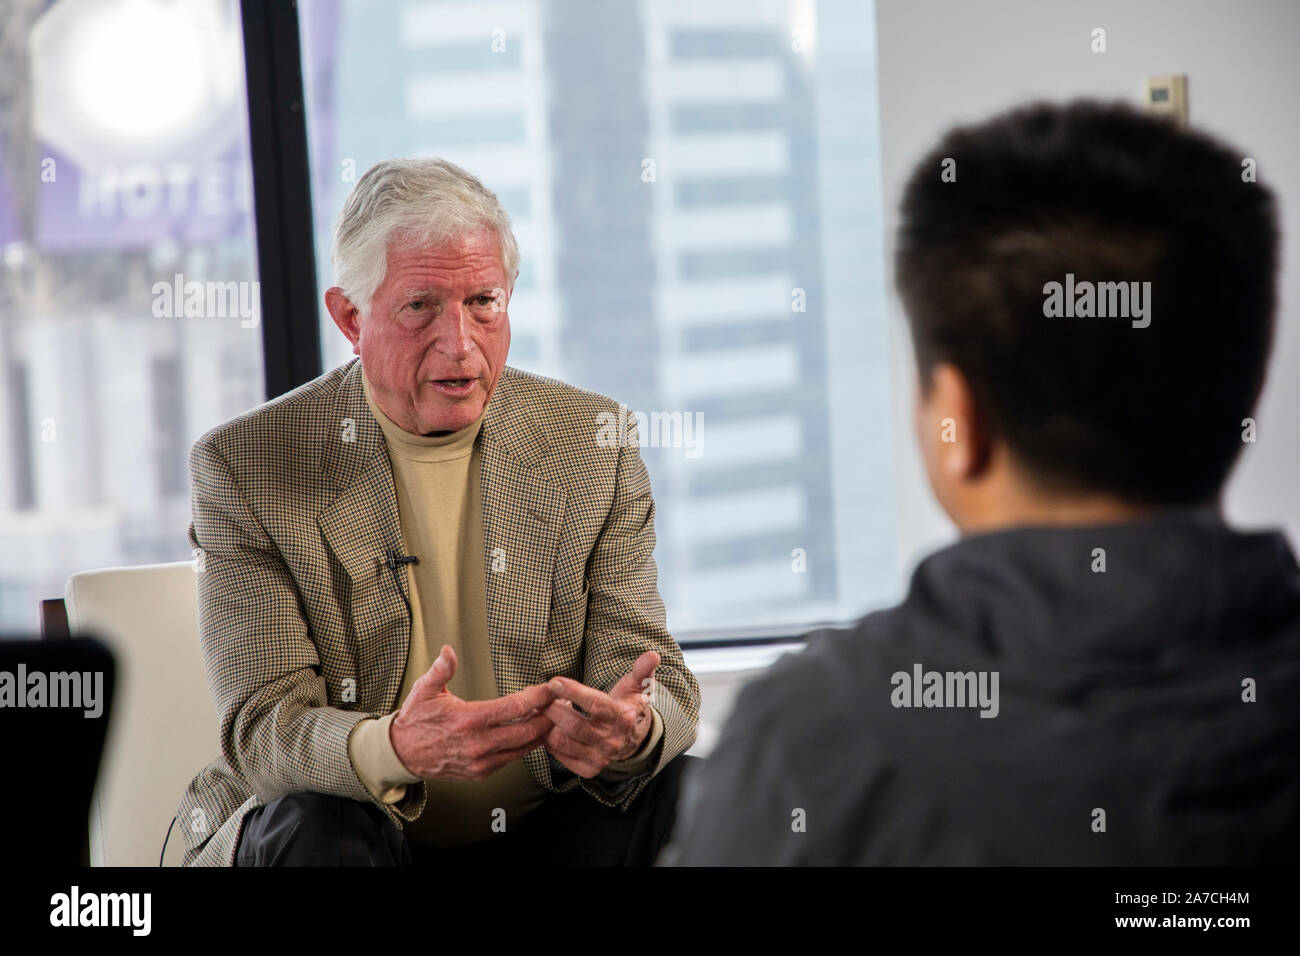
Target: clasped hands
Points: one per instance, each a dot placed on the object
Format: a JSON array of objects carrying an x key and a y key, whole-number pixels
[{"x": 438, "y": 736}]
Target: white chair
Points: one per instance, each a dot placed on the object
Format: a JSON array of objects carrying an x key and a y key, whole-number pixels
[{"x": 164, "y": 728}]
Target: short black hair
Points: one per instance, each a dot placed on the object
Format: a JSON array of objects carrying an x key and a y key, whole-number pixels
[{"x": 1108, "y": 194}]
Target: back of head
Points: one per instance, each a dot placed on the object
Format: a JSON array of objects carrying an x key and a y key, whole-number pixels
[{"x": 1080, "y": 195}]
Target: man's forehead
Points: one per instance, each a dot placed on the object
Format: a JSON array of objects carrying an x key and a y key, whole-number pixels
[{"x": 471, "y": 258}]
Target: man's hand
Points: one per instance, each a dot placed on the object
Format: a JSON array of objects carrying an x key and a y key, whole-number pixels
[
  {"x": 438, "y": 736},
  {"x": 616, "y": 725}
]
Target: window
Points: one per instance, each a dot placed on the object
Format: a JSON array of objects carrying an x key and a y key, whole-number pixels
[
  {"x": 695, "y": 189},
  {"x": 127, "y": 292}
]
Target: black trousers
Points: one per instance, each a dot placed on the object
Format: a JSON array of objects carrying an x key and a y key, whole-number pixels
[{"x": 571, "y": 829}]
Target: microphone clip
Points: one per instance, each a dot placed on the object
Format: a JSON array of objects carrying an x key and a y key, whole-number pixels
[{"x": 393, "y": 560}]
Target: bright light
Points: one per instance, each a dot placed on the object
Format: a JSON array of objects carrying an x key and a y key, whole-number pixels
[
  {"x": 135, "y": 72},
  {"x": 124, "y": 74}
]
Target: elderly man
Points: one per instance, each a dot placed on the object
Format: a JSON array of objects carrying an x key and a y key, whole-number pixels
[{"x": 428, "y": 601}]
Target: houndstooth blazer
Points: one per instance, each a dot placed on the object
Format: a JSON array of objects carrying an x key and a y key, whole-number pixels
[{"x": 304, "y": 632}]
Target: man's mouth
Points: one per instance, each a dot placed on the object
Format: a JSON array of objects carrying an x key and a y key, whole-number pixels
[{"x": 454, "y": 387}]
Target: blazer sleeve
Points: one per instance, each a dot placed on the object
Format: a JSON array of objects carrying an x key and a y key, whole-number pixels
[
  {"x": 278, "y": 731},
  {"x": 625, "y": 618}
]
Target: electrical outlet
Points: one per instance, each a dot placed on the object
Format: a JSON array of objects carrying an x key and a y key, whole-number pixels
[{"x": 1167, "y": 95}]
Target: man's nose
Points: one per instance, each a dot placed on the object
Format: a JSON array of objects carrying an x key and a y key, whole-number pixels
[{"x": 452, "y": 331}]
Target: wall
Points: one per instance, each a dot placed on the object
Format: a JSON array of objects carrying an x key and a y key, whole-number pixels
[{"x": 948, "y": 61}]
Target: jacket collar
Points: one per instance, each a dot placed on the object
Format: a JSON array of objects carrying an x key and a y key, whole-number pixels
[
  {"x": 1138, "y": 588},
  {"x": 355, "y": 437}
]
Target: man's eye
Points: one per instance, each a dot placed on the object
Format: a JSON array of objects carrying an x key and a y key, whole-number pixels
[
  {"x": 417, "y": 305},
  {"x": 484, "y": 300}
]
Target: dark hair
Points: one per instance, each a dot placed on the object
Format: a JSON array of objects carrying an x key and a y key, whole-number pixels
[{"x": 1108, "y": 194}]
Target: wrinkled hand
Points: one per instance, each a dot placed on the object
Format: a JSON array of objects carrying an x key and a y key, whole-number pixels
[
  {"x": 616, "y": 724},
  {"x": 438, "y": 736}
]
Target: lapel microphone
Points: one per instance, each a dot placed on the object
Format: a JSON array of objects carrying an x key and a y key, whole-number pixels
[{"x": 393, "y": 560}]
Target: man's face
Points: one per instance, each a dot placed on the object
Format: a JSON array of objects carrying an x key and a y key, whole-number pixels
[{"x": 436, "y": 337}]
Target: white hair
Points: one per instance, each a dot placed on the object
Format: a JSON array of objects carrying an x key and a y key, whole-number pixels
[{"x": 420, "y": 201}]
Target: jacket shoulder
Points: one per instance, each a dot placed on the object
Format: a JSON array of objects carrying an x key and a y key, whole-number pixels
[
  {"x": 554, "y": 395},
  {"x": 569, "y": 416},
  {"x": 292, "y": 419},
  {"x": 823, "y": 683}
]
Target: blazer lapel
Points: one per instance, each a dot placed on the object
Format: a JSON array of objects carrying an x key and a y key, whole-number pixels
[
  {"x": 358, "y": 527},
  {"x": 522, "y": 517}
]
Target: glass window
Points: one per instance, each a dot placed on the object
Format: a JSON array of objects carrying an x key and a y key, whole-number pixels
[
  {"x": 695, "y": 189},
  {"x": 129, "y": 320}
]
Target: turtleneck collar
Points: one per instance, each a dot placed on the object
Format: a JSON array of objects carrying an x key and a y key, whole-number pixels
[{"x": 414, "y": 447}]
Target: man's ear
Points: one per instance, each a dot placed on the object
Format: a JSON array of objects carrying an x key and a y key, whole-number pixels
[
  {"x": 345, "y": 315},
  {"x": 962, "y": 452}
]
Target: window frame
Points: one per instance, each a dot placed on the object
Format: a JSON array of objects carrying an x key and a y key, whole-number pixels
[{"x": 277, "y": 136}]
